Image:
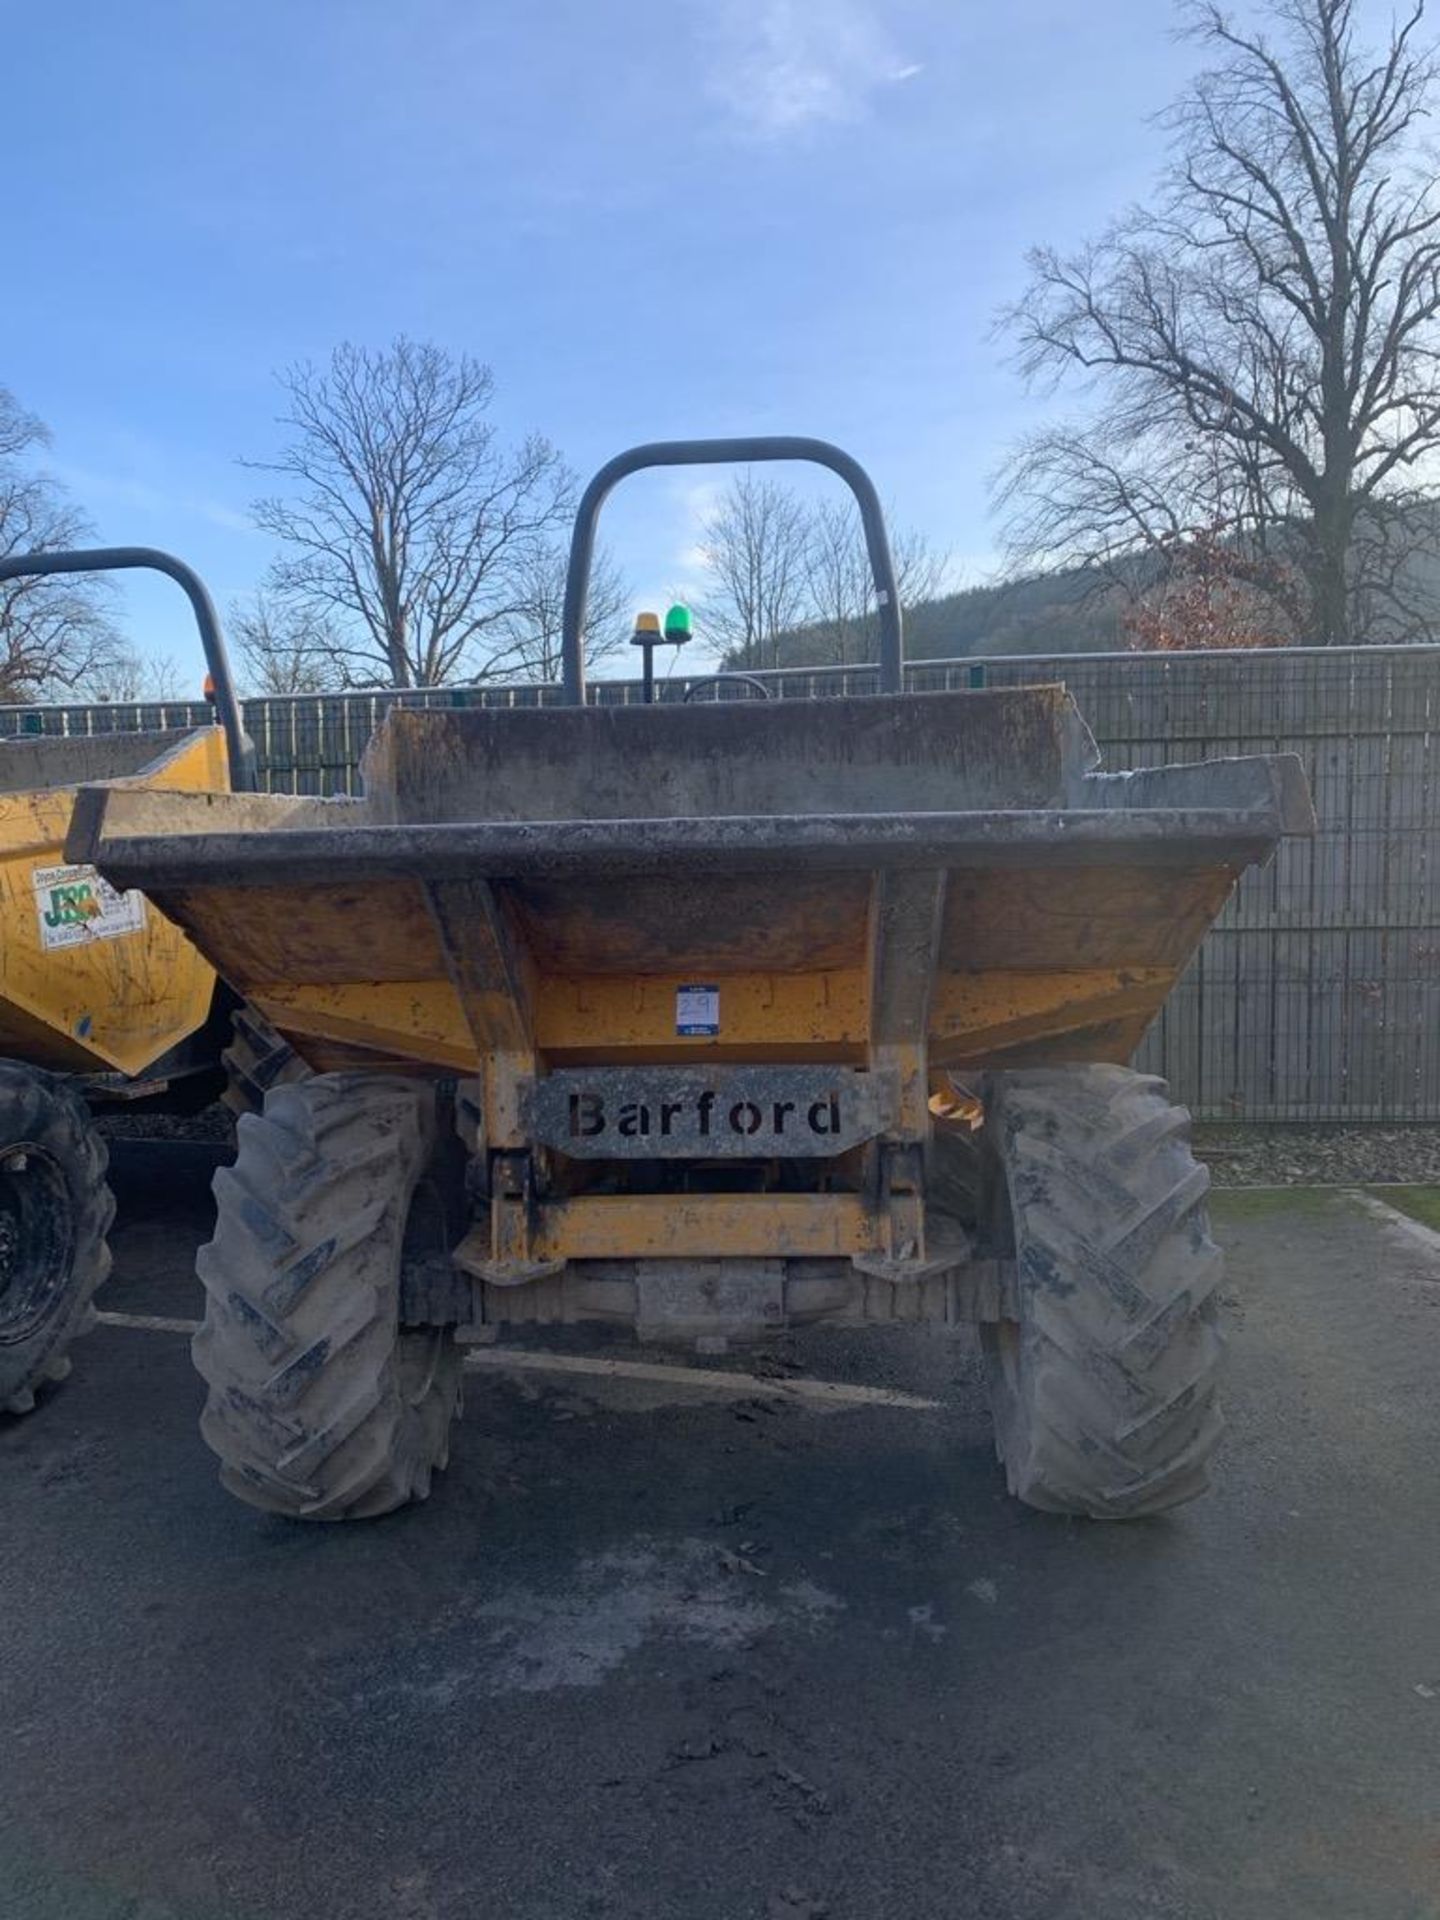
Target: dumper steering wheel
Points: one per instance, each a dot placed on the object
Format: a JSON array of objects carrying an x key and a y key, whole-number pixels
[{"x": 719, "y": 680}]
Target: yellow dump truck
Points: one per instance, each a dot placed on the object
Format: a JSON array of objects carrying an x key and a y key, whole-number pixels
[
  {"x": 712, "y": 1019},
  {"x": 100, "y": 995}
]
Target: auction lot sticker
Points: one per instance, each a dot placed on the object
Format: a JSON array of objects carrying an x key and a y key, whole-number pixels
[
  {"x": 697, "y": 1010},
  {"x": 75, "y": 905}
]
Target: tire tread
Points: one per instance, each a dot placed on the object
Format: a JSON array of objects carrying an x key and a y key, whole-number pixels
[
  {"x": 1105, "y": 1391},
  {"x": 43, "y": 1108},
  {"x": 308, "y": 1407}
]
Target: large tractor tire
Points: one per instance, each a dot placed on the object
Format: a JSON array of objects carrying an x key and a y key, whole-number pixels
[
  {"x": 256, "y": 1060},
  {"x": 321, "y": 1405},
  {"x": 55, "y": 1213},
  {"x": 1104, "y": 1390}
]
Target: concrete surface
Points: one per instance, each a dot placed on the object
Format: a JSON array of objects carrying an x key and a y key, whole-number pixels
[{"x": 657, "y": 1652}]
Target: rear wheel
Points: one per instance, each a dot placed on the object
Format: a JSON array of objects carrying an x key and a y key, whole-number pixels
[
  {"x": 321, "y": 1404},
  {"x": 1104, "y": 1389},
  {"x": 55, "y": 1213}
]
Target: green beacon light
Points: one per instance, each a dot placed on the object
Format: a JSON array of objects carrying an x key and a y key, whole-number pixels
[
  {"x": 647, "y": 634},
  {"x": 679, "y": 627}
]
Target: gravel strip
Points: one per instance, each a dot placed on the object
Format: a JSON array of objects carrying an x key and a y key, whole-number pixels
[
  {"x": 1320, "y": 1156},
  {"x": 213, "y": 1123}
]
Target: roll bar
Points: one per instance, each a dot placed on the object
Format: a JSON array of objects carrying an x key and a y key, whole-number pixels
[
  {"x": 742, "y": 452},
  {"x": 243, "y": 776}
]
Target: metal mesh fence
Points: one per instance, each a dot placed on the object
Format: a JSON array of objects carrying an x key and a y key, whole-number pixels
[{"x": 1316, "y": 998}]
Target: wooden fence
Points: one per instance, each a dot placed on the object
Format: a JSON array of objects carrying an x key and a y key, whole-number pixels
[{"x": 1316, "y": 998}]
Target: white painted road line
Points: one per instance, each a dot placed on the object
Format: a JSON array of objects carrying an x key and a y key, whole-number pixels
[
  {"x": 832, "y": 1393},
  {"x": 147, "y": 1322},
  {"x": 1415, "y": 1231},
  {"x": 703, "y": 1379}
]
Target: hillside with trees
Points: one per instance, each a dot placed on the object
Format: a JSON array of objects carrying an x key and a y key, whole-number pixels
[{"x": 1092, "y": 609}]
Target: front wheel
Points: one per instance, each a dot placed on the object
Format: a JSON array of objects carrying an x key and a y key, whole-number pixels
[
  {"x": 321, "y": 1405},
  {"x": 55, "y": 1213},
  {"x": 256, "y": 1060},
  {"x": 1104, "y": 1390}
]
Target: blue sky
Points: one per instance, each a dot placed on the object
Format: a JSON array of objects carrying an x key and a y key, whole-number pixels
[{"x": 651, "y": 217}]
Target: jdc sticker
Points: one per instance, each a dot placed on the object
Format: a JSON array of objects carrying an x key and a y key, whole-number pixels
[
  {"x": 697, "y": 1010},
  {"x": 75, "y": 905}
]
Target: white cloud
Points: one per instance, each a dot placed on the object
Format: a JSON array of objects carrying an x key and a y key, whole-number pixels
[
  {"x": 222, "y": 516},
  {"x": 782, "y": 65},
  {"x": 124, "y": 491},
  {"x": 698, "y": 500}
]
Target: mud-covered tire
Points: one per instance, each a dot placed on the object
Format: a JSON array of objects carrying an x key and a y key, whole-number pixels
[
  {"x": 55, "y": 1213},
  {"x": 1104, "y": 1390},
  {"x": 321, "y": 1405},
  {"x": 256, "y": 1060}
]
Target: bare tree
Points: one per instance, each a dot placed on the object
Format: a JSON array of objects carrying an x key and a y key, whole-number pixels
[
  {"x": 408, "y": 527},
  {"x": 54, "y": 631},
  {"x": 128, "y": 676},
  {"x": 754, "y": 548},
  {"x": 286, "y": 646},
  {"x": 837, "y": 579},
  {"x": 840, "y": 614},
  {"x": 1262, "y": 334},
  {"x": 920, "y": 571},
  {"x": 527, "y": 641}
]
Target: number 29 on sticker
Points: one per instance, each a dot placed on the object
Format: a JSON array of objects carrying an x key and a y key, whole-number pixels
[{"x": 697, "y": 1010}]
